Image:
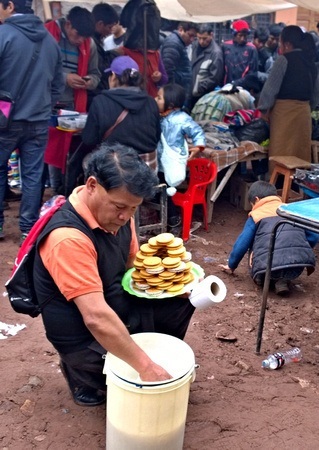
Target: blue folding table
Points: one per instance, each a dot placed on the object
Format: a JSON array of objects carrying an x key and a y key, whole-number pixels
[{"x": 303, "y": 214}]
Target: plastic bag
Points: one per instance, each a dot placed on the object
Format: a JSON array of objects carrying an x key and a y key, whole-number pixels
[
  {"x": 173, "y": 163},
  {"x": 256, "y": 131}
]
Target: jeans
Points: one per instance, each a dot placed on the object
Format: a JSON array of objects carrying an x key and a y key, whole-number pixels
[{"x": 31, "y": 140}]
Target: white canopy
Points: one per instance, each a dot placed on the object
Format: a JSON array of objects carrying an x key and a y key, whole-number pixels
[
  {"x": 204, "y": 10},
  {"x": 220, "y": 10}
]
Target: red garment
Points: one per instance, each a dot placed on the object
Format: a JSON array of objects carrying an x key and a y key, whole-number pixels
[
  {"x": 80, "y": 95},
  {"x": 241, "y": 117},
  {"x": 57, "y": 149},
  {"x": 152, "y": 66}
]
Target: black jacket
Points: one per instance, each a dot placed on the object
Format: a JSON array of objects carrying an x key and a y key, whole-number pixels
[
  {"x": 135, "y": 16},
  {"x": 141, "y": 127},
  {"x": 176, "y": 61},
  {"x": 291, "y": 250}
]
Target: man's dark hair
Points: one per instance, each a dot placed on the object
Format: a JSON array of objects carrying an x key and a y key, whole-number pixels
[
  {"x": 118, "y": 165},
  {"x": 276, "y": 28},
  {"x": 82, "y": 21},
  {"x": 261, "y": 34},
  {"x": 260, "y": 189},
  {"x": 250, "y": 83},
  {"x": 105, "y": 13},
  {"x": 174, "y": 96},
  {"x": 205, "y": 28},
  {"x": 20, "y": 6},
  {"x": 188, "y": 26}
]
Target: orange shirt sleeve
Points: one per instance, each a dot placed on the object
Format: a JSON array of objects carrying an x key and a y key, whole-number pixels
[{"x": 71, "y": 259}]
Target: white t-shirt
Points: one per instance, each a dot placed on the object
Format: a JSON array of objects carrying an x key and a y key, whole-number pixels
[{"x": 110, "y": 42}]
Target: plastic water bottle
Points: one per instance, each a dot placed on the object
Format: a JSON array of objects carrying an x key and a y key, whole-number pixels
[{"x": 277, "y": 360}]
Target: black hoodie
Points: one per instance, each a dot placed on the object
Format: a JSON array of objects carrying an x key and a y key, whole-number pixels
[{"x": 141, "y": 127}]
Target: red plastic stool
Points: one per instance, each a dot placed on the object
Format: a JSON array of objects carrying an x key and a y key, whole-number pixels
[{"x": 202, "y": 172}]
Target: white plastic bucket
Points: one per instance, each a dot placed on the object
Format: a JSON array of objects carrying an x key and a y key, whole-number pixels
[{"x": 145, "y": 415}]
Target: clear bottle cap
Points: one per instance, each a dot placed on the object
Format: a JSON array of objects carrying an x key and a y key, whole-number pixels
[{"x": 265, "y": 364}]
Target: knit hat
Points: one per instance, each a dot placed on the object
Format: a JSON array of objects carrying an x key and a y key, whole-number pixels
[
  {"x": 22, "y": 4},
  {"x": 121, "y": 63},
  {"x": 240, "y": 26}
]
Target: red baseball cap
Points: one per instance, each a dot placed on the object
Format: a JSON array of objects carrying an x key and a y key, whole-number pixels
[{"x": 240, "y": 26}]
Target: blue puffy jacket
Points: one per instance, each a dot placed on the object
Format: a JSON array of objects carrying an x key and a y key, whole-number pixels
[{"x": 175, "y": 127}]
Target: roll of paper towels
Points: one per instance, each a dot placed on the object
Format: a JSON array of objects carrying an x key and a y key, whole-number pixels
[{"x": 209, "y": 291}]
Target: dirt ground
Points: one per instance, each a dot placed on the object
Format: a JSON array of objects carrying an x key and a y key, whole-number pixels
[{"x": 234, "y": 403}]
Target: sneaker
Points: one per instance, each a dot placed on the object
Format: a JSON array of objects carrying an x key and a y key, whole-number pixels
[
  {"x": 281, "y": 287},
  {"x": 15, "y": 184},
  {"x": 22, "y": 238},
  {"x": 1, "y": 233}
]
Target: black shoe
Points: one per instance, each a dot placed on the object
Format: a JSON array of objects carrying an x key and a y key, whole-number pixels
[
  {"x": 82, "y": 395},
  {"x": 282, "y": 287},
  {"x": 87, "y": 396},
  {"x": 174, "y": 221},
  {"x": 12, "y": 196}
]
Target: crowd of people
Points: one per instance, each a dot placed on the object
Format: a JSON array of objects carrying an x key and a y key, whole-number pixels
[{"x": 134, "y": 92}]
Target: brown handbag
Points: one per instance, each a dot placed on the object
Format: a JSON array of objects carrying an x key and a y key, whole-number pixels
[{"x": 120, "y": 118}]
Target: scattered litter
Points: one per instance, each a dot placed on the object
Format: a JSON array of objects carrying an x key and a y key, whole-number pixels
[
  {"x": 299, "y": 287},
  {"x": 223, "y": 335},
  {"x": 211, "y": 378},
  {"x": 28, "y": 407},
  {"x": 195, "y": 226},
  {"x": 209, "y": 259},
  {"x": 238, "y": 295},
  {"x": 306, "y": 330},
  {"x": 250, "y": 329},
  {"x": 7, "y": 330},
  {"x": 303, "y": 383},
  {"x": 40, "y": 438},
  {"x": 242, "y": 365}
]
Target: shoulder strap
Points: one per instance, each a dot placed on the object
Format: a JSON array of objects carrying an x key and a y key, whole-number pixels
[
  {"x": 34, "y": 58},
  {"x": 121, "y": 117}
]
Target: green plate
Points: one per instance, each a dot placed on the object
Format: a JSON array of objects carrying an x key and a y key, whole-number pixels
[{"x": 197, "y": 271}]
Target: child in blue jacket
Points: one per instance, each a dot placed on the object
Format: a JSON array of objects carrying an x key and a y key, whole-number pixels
[{"x": 177, "y": 126}]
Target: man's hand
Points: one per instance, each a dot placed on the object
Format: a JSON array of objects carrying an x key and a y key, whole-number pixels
[
  {"x": 154, "y": 372},
  {"x": 156, "y": 76},
  {"x": 74, "y": 81},
  {"x": 226, "y": 268}
]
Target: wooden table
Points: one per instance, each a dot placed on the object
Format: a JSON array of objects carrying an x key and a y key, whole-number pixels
[{"x": 247, "y": 151}]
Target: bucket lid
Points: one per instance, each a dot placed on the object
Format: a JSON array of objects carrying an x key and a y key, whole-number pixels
[{"x": 173, "y": 354}]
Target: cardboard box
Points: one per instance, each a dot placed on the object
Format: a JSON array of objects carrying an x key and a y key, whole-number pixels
[{"x": 239, "y": 192}]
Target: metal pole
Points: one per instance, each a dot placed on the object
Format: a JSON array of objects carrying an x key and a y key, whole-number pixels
[
  {"x": 145, "y": 49},
  {"x": 266, "y": 285}
]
